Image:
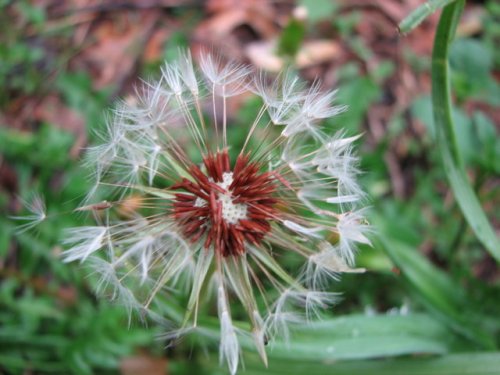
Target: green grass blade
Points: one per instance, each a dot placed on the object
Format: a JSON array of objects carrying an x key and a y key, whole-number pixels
[
  {"x": 436, "y": 290},
  {"x": 421, "y": 13},
  {"x": 447, "y": 139},
  {"x": 363, "y": 337},
  {"x": 429, "y": 282},
  {"x": 358, "y": 337},
  {"x": 454, "y": 364}
]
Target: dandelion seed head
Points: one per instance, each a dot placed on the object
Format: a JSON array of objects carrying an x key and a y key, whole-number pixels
[{"x": 215, "y": 213}]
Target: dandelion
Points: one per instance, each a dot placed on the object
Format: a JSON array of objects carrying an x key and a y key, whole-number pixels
[{"x": 218, "y": 209}]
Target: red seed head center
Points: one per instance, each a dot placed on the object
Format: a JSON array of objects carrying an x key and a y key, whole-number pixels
[{"x": 226, "y": 209}]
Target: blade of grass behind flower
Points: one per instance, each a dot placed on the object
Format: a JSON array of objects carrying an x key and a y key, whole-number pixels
[
  {"x": 452, "y": 364},
  {"x": 436, "y": 290},
  {"x": 363, "y": 337},
  {"x": 356, "y": 336},
  {"x": 420, "y": 14},
  {"x": 447, "y": 139}
]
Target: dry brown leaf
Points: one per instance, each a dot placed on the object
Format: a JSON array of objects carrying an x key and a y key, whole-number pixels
[
  {"x": 143, "y": 364},
  {"x": 232, "y": 24},
  {"x": 317, "y": 52},
  {"x": 53, "y": 111},
  {"x": 472, "y": 21},
  {"x": 8, "y": 177},
  {"x": 18, "y": 113},
  {"x": 263, "y": 54},
  {"x": 222, "y": 23},
  {"x": 155, "y": 45},
  {"x": 120, "y": 42}
]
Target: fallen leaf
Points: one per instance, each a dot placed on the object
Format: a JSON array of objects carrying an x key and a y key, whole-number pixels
[
  {"x": 263, "y": 54},
  {"x": 232, "y": 24},
  {"x": 317, "y": 52},
  {"x": 143, "y": 364},
  {"x": 155, "y": 45},
  {"x": 55, "y": 112},
  {"x": 119, "y": 44}
]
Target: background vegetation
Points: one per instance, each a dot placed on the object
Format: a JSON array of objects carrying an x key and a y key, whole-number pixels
[{"x": 429, "y": 303}]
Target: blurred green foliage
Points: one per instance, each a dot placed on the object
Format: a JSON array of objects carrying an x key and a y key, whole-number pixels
[{"x": 50, "y": 322}]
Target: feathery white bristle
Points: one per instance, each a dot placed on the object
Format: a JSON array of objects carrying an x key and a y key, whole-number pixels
[
  {"x": 226, "y": 78},
  {"x": 352, "y": 229},
  {"x": 37, "y": 209},
  {"x": 327, "y": 265},
  {"x": 83, "y": 241},
  {"x": 229, "y": 347},
  {"x": 173, "y": 79},
  {"x": 282, "y": 316},
  {"x": 187, "y": 72},
  {"x": 313, "y": 232},
  {"x": 282, "y": 97}
]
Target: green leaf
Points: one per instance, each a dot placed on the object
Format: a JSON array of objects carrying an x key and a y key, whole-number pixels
[
  {"x": 471, "y": 63},
  {"x": 352, "y": 84},
  {"x": 421, "y": 109},
  {"x": 487, "y": 143},
  {"x": 318, "y": 10},
  {"x": 48, "y": 147},
  {"x": 291, "y": 38}
]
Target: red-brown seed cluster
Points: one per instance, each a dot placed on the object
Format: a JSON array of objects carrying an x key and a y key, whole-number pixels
[{"x": 205, "y": 221}]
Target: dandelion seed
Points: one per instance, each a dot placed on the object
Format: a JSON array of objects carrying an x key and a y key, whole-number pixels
[
  {"x": 37, "y": 209},
  {"x": 326, "y": 265},
  {"x": 86, "y": 241},
  {"x": 210, "y": 212},
  {"x": 352, "y": 229}
]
